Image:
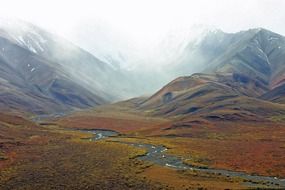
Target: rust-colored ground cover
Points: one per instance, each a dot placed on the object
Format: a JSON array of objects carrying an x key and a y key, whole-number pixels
[
  {"x": 95, "y": 122},
  {"x": 120, "y": 118},
  {"x": 257, "y": 148},
  {"x": 253, "y": 147},
  {"x": 35, "y": 157},
  {"x": 190, "y": 180},
  {"x": 47, "y": 157}
]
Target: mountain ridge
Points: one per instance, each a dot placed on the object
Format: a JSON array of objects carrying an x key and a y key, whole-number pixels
[
  {"x": 37, "y": 83},
  {"x": 239, "y": 83}
]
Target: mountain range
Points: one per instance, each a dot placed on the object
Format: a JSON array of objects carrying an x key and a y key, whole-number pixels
[{"x": 239, "y": 75}]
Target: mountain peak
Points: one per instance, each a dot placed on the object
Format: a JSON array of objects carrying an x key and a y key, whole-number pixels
[{"x": 261, "y": 31}]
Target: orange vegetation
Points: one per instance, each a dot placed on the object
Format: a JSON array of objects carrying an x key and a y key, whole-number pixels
[
  {"x": 251, "y": 147},
  {"x": 120, "y": 125},
  {"x": 189, "y": 180}
]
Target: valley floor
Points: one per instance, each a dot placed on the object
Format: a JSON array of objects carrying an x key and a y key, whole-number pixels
[{"x": 50, "y": 156}]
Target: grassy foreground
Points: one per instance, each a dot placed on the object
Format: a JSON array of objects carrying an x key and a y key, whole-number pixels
[
  {"x": 51, "y": 157},
  {"x": 48, "y": 158},
  {"x": 36, "y": 157}
]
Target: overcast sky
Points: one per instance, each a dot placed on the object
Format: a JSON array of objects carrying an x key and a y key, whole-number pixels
[{"x": 149, "y": 18}]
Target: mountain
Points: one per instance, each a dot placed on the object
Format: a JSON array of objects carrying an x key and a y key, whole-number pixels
[
  {"x": 140, "y": 59},
  {"x": 275, "y": 95},
  {"x": 198, "y": 50},
  {"x": 221, "y": 96},
  {"x": 175, "y": 53},
  {"x": 242, "y": 73},
  {"x": 257, "y": 52},
  {"x": 41, "y": 72}
]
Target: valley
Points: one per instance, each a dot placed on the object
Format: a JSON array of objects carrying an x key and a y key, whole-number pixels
[
  {"x": 236, "y": 142},
  {"x": 55, "y": 147},
  {"x": 69, "y": 120}
]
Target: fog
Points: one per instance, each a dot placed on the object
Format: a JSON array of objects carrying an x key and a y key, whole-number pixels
[
  {"x": 140, "y": 27},
  {"x": 145, "y": 37}
]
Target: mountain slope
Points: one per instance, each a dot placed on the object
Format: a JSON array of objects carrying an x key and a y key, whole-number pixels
[
  {"x": 256, "y": 52},
  {"x": 39, "y": 72},
  {"x": 32, "y": 83},
  {"x": 275, "y": 95},
  {"x": 243, "y": 71},
  {"x": 100, "y": 77},
  {"x": 233, "y": 96}
]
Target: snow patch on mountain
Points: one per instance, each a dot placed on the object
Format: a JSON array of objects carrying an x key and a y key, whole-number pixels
[{"x": 24, "y": 34}]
